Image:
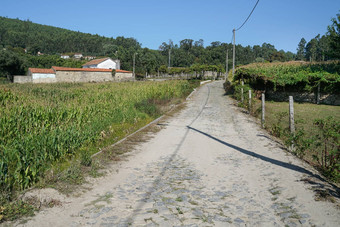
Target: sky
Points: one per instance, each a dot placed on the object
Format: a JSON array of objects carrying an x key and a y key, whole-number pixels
[{"x": 281, "y": 23}]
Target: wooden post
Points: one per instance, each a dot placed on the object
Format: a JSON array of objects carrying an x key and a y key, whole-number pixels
[
  {"x": 291, "y": 115},
  {"x": 318, "y": 95},
  {"x": 242, "y": 98},
  {"x": 249, "y": 101},
  {"x": 263, "y": 110}
]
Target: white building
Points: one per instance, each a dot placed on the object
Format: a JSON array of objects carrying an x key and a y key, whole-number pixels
[
  {"x": 41, "y": 75},
  {"x": 65, "y": 56},
  {"x": 78, "y": 55},
  {"x": 103, "y": 63}
]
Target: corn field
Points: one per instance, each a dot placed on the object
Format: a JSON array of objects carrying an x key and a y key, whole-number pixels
[{"x": 45, "y": 123}]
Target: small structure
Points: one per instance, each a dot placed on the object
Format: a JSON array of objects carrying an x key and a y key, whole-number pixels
[
  {"x": 64, "y": 56},
  {"x": 77, "y": 55},
  {"x": 89, "y": 58},
  {"x": 42, "y": 75},
  {"x": 103, "y": 63}
]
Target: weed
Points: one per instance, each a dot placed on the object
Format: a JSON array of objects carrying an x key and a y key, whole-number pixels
[
  {"x": 104, "y": 198},
  {"x": 193, "y": 202},
  {"x": 179, "y": 210},
  {"x": 85, "y": 159},
  {"x": 179, "y": 199},
  {"x": 13, "y": 210}
]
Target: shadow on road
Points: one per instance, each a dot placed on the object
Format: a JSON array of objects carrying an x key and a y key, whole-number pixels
[{"x": 335, "y": 191}]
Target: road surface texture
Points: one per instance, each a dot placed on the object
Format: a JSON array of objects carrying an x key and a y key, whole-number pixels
[{"x": 211, "y": 165}]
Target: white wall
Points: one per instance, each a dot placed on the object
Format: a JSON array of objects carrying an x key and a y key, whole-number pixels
[
  {"x": 107, "y": 64},
  {"x": 43, "y": 78}
]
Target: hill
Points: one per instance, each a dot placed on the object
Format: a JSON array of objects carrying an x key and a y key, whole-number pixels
[{"x": 52, "y": 40}]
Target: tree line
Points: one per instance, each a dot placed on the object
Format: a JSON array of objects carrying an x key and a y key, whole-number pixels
[
  {"x": 321, "y": 48},
  {"x": 20, "y": 41}
]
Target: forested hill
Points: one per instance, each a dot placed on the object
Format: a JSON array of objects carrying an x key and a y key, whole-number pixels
[
  {"x": 17, "y": 35},
  {"x": 52, "y": 40}
]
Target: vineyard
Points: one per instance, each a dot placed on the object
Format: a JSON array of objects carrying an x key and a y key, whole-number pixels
[
  {"x": 42, "y": 124},
  {"x": 291, "y": 76}
]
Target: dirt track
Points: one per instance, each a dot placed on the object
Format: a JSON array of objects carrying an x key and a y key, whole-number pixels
[{"x": 210, "y": 166}]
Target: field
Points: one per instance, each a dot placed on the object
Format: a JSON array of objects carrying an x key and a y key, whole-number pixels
[{"x": 43, "y": 124}]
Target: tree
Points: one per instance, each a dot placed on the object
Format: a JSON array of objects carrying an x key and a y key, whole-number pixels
[
  {"x": 300, "y": 55},
  {"x": 11, "y": 64},
  {"x": 334, "y": 37},
  {"x": 311, "y": 49},
  {"x": 323, "y": 47},
  {"x": 186, "y": 44},
  {"x": 277, "y": 56}
]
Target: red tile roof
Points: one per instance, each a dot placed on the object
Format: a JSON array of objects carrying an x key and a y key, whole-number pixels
[
  {"x": 37, "y": 70},
  {"x": 56, "y": 68},
  {"x": 96, "y": 61},
  {"x": 122, "y": 71}
]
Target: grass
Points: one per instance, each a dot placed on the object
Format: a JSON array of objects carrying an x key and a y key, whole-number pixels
[{"x": 305, "y": 114}]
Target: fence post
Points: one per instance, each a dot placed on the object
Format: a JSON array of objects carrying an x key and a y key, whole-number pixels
[
  {"x": 318, "y": 95},
  {"x": 263, "y": 110},
  {"x": 242, "y": 98},
  {"x": 249, "y": 101},
  {"x": 291, "y": 115}
]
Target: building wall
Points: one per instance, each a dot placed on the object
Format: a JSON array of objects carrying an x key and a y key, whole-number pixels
[
  {"x": 117, "y": 63},
  {"x": 78, "y": 76},
  {"x": 22, "y": 79},
  {"x": 43, "y": 78},
  {"x": 89, "y": 66},
  {"x": 124, "y": 76},
  {"x": 108, "y": 64}
]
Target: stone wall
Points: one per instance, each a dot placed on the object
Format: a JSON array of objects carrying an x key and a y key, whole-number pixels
[
  {"x": 119, "y": 76},
  {"x": 329, "y": 99},
  {"x": 22, "y": 79},
  {"x": 82, "y": 76}
]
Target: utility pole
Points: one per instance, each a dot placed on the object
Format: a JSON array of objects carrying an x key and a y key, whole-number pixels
[
  {"x": 234, "y": 53},
  {"x": 226, "y": 67},
  {"x": 169, "y": 57},
  {"x": 134, "y": 63},
  {"x": 169, "y": 53}
]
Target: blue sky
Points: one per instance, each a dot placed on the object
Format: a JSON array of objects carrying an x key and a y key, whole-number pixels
[{"x": 281, "y": 23}]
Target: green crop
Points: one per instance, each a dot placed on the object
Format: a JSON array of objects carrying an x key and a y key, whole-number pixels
[
  {"x": 297, "y": 76},
  {"x": 45, "y": 123}
]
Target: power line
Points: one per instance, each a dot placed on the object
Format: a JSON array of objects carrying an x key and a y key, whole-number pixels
[
  {"x": 248, "y": 16},
  {"x": 234, "y": 30}
]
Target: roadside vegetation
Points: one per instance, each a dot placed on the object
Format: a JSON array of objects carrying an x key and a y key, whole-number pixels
[
  {"x": 48, "y": 132},
  {"x": 317, "y": 136},
  {"x": 291, "y": 76}
]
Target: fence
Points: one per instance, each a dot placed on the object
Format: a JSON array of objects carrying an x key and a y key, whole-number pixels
[{"x": 310, "y": 131}]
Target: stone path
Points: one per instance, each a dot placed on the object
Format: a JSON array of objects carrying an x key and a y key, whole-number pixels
[{"x": 210, "y": 166}]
